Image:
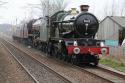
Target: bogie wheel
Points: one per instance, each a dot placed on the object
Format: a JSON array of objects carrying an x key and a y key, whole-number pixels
[
  {"x": 74, "y": 60},
  {"x": 96, "y": 63},
  {"x": 49, "y": 50},
  {"x": 68, "y": 59},
  {"x": 64, "y": 56},
  {"x": 45, "y": 48},
  {"x": 53, "y": 52},
  {"x": 60, "y": 56},
  {"x": 56, "y": 53},
  {"x": 64, "y": 52}
]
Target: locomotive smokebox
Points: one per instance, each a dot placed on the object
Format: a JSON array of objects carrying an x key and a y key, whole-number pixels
[
  {"x": 86, "y": 24},
  {"x": 84, "y": 8}
]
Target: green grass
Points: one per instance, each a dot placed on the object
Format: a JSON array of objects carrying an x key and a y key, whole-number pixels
[{"x": 114, "y": 63}]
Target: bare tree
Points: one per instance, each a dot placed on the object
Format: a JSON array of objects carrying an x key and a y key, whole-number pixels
[
  {"x": 49, "y": 7},
  {"x": 2, "y": 3},
  {"x": 109, "y": 8},
  {"x": 122, "y": 10},
  {"x": 114, "y": 8},
  {"x": 105, "y": 10}
]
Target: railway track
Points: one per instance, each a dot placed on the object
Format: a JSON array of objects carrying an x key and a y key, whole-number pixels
[
  {"x": 11, "y": 48},
  {"x": 112, "y": 76},
  {"x": 100, "y": 72},
  {"x": 20, "y": 63}
]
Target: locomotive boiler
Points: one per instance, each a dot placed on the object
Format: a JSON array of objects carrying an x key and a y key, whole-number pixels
[{"x": 70, "y": 36}]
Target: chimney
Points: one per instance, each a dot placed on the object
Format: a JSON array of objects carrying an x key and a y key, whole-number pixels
[{"x": 84, "y": 8}]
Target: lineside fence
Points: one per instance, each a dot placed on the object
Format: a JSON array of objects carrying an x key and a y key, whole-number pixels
[{"x": 117, "y": 51}]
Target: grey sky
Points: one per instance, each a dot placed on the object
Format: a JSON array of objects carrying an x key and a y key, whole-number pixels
[{"x": 18, "y": 9}]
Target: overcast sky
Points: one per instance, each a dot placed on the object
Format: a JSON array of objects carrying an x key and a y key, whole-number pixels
[{"x": 18, "y": 9}]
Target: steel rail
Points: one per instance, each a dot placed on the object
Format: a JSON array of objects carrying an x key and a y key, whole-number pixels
[
  {"x": 98, "y": 67},
  {"x": 20, "y": 63},
  {"x": 112, "y": 71},
  {"x": 47, "y": 67}
]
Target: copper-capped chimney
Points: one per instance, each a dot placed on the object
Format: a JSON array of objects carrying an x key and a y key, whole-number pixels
[{"x": 84, "y": 8}]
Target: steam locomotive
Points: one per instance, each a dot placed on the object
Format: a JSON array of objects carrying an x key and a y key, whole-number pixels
[{"x": 69, "y": 36}]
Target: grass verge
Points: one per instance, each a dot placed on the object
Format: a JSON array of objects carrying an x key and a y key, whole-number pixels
[{"x": 110, "y": 61}]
